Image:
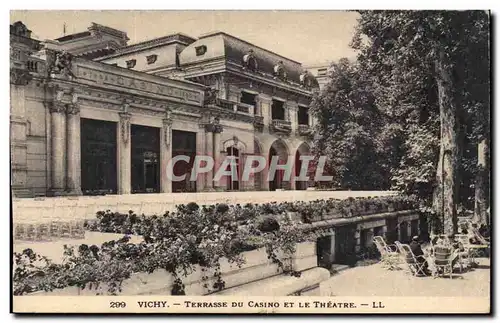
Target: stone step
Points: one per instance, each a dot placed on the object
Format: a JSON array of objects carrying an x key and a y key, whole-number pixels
[
  {"x": 22, "y": 193},
  {"x": 280, "y": 285},
  {"x": 338, "y": 268}
]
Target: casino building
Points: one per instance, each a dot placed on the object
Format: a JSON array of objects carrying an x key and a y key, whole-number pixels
[{"x": 93, "y": 115}]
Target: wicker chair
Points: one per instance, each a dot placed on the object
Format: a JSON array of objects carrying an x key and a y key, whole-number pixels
[
  {"x": 414, "y": 267},
  {"x": 389, "y": 257},
  {"x": 443, "y": 261}
]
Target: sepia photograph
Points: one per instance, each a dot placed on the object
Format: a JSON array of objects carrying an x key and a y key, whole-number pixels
[{"x": 239, "y": 161}]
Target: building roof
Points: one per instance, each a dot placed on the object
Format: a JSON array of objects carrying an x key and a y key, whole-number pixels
[
  {"x": 220, "y": 44},
  {"x": 94, "y": 29},
  {"x": 73, "y": 36},
  {"x": 179, "y": 38}
]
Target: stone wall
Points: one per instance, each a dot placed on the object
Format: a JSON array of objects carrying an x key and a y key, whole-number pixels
[{"x": 257, "y": 277}]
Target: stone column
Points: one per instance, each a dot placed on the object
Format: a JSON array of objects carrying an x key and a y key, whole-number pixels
[
  {"x": 357, "y": 237},
  {"x": 369, "y": 236},
  {"x": 384, "y": 231},
  {"x": 200, "y": 151},
  {"x": 293, "y": 110},
  {"x": 73, "y": 150},
  {"x": 217, "y": 154},
  {"x": 265, "y": 171},
  {"x": 58, "y": 144},
  {"x": 165, "y": 155},
  {"x": 209, "y": 151},
  {"x": 408, "y": 229},
  {"x": 400, "y": 230},
  {"x": 124, "y": 152},
  {"x": 332, "y": 247},
  {"x": 265, "y": 110}
]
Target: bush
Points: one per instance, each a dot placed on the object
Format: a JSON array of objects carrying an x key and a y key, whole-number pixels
[{"x": 269, "y": 224}]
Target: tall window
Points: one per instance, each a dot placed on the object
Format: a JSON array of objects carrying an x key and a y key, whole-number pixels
[
  {"x": 247, "y": 98},
  {"x": 233, "y": 183},
  {"x": 303, "y": 115},
  {"x": 278, "y": 110}
]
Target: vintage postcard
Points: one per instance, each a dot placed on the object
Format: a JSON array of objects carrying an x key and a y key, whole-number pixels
[{"x": 250, "y": 161}]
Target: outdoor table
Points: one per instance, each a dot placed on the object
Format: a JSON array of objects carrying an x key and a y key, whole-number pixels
[{"x": 471, "y": 250}]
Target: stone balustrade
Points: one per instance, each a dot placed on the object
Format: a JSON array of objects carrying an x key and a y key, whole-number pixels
[{"x": 281, "y": 126}]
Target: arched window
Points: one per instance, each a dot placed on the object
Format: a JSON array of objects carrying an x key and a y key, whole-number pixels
[{"x": 233, "y": 183}]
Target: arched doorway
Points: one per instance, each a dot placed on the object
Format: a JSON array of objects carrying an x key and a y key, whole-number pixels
[
  {"x": 279, "y": 149},
  {"x": 302, "y": 150}
]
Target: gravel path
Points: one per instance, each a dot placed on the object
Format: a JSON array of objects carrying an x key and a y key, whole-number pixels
[{"x": 376, "y": 281}]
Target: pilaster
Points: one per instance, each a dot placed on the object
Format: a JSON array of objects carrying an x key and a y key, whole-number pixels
[
  {"x": 217, "y": 155},
  {"x": 293, "y": 113},
  {"x": 213, "y": 129},
  {"x": 124, "y": 152},
  {"x": 58, "y": 154},
  {"x": 73, "y": 182},
  {"x": 209, "y": 151},
  {"x": 200, "y": 150},
  {"x": 165, "y": 154},
  {"x": 265, "y": 109}
]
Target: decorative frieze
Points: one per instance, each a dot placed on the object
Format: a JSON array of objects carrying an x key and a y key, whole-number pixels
[
  {"x": 20, "y": 76},
  {"x": 137, "y": 84}
]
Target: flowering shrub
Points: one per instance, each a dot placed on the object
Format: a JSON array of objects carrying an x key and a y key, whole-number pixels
[
  {"x": 312, "y": 211},
  {"x": 175, "y": 242},
  {"x": 179, "y": 241}
]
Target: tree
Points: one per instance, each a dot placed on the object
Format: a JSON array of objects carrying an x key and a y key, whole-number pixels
[
  {"x": 348, "y": 130},
  {"x": 420, "y": 59}
]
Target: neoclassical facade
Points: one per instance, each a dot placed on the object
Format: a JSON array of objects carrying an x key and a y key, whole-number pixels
[{"x": 93, "y": 115}]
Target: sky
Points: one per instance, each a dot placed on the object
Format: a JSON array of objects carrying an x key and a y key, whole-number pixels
[{"x": 310, "y": 37}]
